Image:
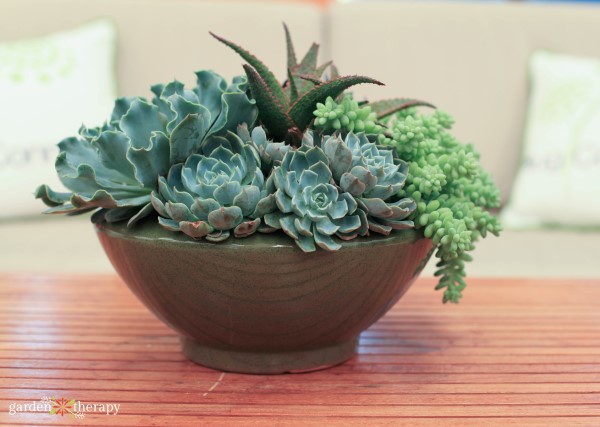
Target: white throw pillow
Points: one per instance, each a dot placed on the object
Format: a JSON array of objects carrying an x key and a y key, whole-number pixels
[
  {"x": 558, "y": 182},
  {"x": 49, "y": 86}
]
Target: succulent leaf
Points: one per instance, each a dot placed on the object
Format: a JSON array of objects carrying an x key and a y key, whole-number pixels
[
  {"x": 272, "y": 111},
  {"x": 267, "y": 76},
  {"x": 301, "y": 111},
  {"x": 385, "y": 108},
  {"x": 216, "y": 192}
]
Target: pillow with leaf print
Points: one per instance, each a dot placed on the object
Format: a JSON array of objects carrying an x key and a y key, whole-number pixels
[
  {"x": 49, "y": 86},
  {"x": 558, "y": 183}
]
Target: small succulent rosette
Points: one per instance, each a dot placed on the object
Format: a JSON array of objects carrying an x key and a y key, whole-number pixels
[
  {"x": 116, "y": 167},
  {"x": 215, "y": 193},
  {"x": 374, "y": 177},
  {"x": 311, "y": 209},
  {"x": 271, "y": 152}
]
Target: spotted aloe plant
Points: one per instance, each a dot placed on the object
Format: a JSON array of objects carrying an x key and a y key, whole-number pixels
[
  {"x": 286, "y": 110},
  {"x": 215, "y": 193},
  {"x": 116, "y": 167}
]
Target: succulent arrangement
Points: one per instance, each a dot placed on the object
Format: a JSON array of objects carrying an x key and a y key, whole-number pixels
[{"x": 302, "y": 157}]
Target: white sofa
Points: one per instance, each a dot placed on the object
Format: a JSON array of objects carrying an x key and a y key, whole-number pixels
[{"x": 467, "y": 58}]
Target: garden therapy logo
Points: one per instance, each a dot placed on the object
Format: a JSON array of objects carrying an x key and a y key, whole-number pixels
[{"x": 61, "y": 406}]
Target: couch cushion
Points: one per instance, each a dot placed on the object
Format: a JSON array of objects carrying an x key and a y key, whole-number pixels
[
  {"x": 559, "y": 179},
  {"x": 468, "y": 59},
  {"x": 160, "y": 40},
  {"x": 49, "y": 86}
]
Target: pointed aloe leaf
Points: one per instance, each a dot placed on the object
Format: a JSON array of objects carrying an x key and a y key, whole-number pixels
[
  {"x": 301, "y": 111},
  {"x": 308, "y": 66},
  {"x": 334, "y": 73},
  {"x": 293, "y": 90},
  {"x": 266, "y": 74},
  {"x": 388, "y": 107},
  {"x": 272, "y": 112},
  {"x": 291, "y": 53},
  {"x": 321, "y": 68},
  {"x": 313, "y": 78},
  {"x": 309, "y": 62}
]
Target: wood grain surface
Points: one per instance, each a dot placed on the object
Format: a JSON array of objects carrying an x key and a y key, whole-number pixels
[{"x": 513, "y": 353}]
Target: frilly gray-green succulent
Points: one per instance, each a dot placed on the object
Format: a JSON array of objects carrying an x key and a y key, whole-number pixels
[
  {"x": 116, "y": 167},
  {"x": 216, "y": 192}
]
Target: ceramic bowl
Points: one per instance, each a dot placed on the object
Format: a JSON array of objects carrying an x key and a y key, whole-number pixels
[{"x": 260, "y": 304}]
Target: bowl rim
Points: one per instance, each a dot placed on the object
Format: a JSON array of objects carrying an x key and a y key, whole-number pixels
[{"x": 150, "y": 232}]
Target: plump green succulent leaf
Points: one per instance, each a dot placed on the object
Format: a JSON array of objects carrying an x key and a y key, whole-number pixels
[
  {"x": 267, "y": 76},
  {"x": 301, "y": 111},
  {"x": 385, "y": 108}
]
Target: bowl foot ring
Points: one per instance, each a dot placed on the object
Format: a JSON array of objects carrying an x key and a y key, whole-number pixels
[{"x": 269, "y": 362}]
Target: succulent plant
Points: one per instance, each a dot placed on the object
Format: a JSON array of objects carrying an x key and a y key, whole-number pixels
[
  {"x": 374, "y": 177},
  {"x": 300, "y": 156},
  {"x": 214, "y": 193},
  {"x": 286, "y": 111},
  {"x": 271, "y": 153},
  {"x": 116, "y": 166},
  {"x": 310, "y": 208}
]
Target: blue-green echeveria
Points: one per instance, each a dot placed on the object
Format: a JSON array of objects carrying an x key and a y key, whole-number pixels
[
  {"x": 311, "y": 208},
  {"x": 373, "y": 176},
  {"x": 116, "y": 166},
  {"x": 271, "y": 153},
  {"x": 216, "y": 192}
]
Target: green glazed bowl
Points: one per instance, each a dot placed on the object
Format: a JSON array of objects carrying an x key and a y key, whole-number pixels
[{"x": 260, "y": 304}]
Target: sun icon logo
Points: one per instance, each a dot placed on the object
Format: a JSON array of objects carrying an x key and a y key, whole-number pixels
[{"x": 62, "y": 406}]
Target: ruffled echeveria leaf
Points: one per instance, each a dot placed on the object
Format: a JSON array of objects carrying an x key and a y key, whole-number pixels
[
  {"x": 216, "y": 193},
  {"x": 117, "y": 165}
]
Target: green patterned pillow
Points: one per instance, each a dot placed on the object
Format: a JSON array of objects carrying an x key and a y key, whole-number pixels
[
  {"x": 558, "y": 182},
  {"x": 49, "y": 86}
]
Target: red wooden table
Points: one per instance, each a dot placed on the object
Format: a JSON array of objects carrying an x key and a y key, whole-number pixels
[{"x": 513, "y": 353}]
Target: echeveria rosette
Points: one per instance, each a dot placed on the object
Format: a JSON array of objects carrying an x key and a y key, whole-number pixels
[
  {"x": 215, "y": 193},
  {"x": 116, "y": 167},
  {"x": 374, "y": 177},
  {"x": 311, "y": 209},
  {"x": 271, "y": 153}
]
